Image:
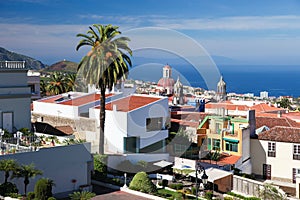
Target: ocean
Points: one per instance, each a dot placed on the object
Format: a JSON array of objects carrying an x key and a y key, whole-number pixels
[{"x": 277, "y": 80}]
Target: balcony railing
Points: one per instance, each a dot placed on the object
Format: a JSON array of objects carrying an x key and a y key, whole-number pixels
[{"x": 12, "y": 65}]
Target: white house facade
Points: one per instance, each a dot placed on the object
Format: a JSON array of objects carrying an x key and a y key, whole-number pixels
[
  {"x": 135, "y": 124},
  {"x": 276, "y": 155},
  {"x": 15, "y": 96}
]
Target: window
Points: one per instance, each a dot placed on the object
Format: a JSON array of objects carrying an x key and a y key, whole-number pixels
[
  {"x": 271, "y": 149},
  {"x": 218, "y": 128},
  {"x": 131, "y": 144},
  {"x": 216, "y": 144},
  {"x": 154, "y": 124},
  {"x": 231, "y": 146},
  {"x": 295, "y": 172},
  {"x": 296, "y": 152},
  {"x": 209, "y": 143}
]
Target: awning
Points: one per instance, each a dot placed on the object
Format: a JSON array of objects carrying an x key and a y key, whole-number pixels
[
  {"x": 213, "y": 174},
  {"x": 182, "y": 167},
  {"x": 163, "y": 163},
  {"x": 231, "y": 140}
]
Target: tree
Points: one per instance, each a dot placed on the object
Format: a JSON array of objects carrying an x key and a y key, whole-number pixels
[
  {"x": 8, "y": 165},
  {"x": 69, "y": 82},
  {"x": 56, "y": 84},
  {"x": 141, "y": 182},
  {"x": 26, "y": 172},
  {"x": 105, "y": 64},
  {"x": 284, "y": 103},
  {"x": 43, "y": 188}
]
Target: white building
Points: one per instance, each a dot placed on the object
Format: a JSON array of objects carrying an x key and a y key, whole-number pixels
[
  {"x": 15, "y": 96},
  {"x": 34, "y": 84},
  {"x": 264, "y": 95},
  {"x": 276, "y": 154},
  {"x": 135, "y": 124}
]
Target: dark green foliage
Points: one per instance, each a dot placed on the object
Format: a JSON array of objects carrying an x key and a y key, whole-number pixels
[
  {"x": 30, "y": 196},
  {"x": 43, "y": 189},
  {"x": 164, "y": 183},
  {"x": 84, "y": 195},
  {"x": 100, "y": 164},
  {"x": 176, "y": 186},
  {"x": 142, "y": 183},
  {"x": 51, "y": 198},
  {"x": 209, "y": 195},
  {"x": 8, "y": 188}
]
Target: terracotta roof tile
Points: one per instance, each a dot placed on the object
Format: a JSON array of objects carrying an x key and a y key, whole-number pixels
[
  {"x": 281, "y": 134},
  {"x": 228, "y": 106},
  {"x": 263, "y": 107},
  {"x": 50, "y": 99},
  {"x": 275, "y": 121},
  {"x": 130, "y": 103}
]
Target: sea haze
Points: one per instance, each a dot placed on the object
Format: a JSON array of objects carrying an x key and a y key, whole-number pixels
[{"x": 278, "y": 80}]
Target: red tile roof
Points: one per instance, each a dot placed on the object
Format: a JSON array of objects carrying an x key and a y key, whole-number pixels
[
  {"x": 263, "y": 107},
  {"x": 130, "y": 103},
  {"x": 81, "y": 100},
  {"x": 228, "y": 106},
  {"x": 228, "y": 159},
  {"x": 271, "y": 122},
  {"x": 281, "y": 134},
  {"x": 50, "y": 99}
]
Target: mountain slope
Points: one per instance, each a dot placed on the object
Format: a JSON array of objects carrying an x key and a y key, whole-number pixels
[
  {"x": 31, "y": 63},
  {"x": 64, "y": 66}
]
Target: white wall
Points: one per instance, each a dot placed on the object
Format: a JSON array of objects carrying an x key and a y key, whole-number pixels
[
  {"x": 21, "y": 111},
  {"x": 54, "y": 109},
  {"x": 61, "y": 164},
  {"x": 281, "y": 165}
]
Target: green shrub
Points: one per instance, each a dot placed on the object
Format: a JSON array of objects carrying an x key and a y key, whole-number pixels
[
  {"x": 83, "y": 195},
  {"x": 164, "y": 183},
  {"x": 51, "y": 198},
  {"x": 228, "y": 198},
  {"x": 30, "y": 196},
  {"x": 100, "y": 163},
  {"x": 8, "y": 188},
  {"x": 176, "y": 186},
  {"x": 43, "y": 189},
  {"x": 141, "y": 182},
  {"x": 209, "y": 195}
]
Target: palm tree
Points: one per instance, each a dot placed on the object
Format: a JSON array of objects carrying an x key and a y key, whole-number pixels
[
  {"x": 26, "y": 172},
  {"x": 69, "y": 82},
  {"x": 84, "y": 195},
  {"x": 56, "y": 84},
  {"x": 7, "y": 166},
  {"x": 105, "y": 64},
  {"x": 43, "y": 87}
]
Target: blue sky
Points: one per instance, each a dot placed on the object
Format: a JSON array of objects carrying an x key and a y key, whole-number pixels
[{"x": 251, "y": 32}]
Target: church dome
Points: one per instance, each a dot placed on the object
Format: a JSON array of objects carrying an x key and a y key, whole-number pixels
[{"x": 166, "y": 82}]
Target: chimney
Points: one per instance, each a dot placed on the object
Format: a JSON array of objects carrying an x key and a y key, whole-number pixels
[
  {"x": 279, "y": 114},
  {"x": 115, "y": 108}
]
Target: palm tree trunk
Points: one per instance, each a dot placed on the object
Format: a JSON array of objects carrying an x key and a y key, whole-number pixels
[
  {"x": 6, "y": 176},
  {"x": 26, "y": 182},
  {"x": 102, "y": 120}
]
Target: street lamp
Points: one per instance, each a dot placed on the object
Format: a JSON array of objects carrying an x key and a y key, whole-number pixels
[
  {"x": 199, "y": 168},
  {"x": 1, "y": 134},
  {"x": 125, "y": 176}
]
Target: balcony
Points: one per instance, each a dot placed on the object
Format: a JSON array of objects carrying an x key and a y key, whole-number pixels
[{"x": 12, "y": 65}]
